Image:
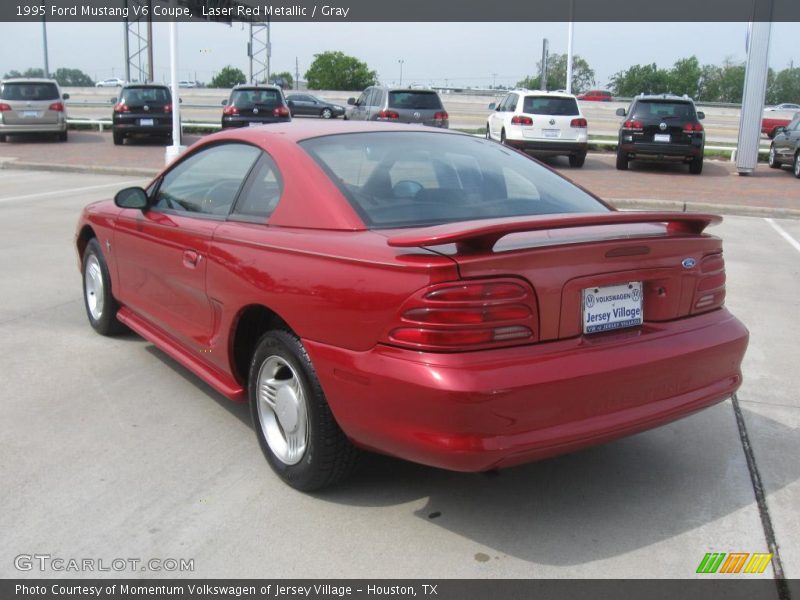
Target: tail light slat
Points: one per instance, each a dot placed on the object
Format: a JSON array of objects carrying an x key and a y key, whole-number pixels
[
  {"x": 709, "y": 292},
  {"x": 521, "y": 120},
  {"x": 388, "y": 115},
  {"x": 579, "y": 123},
  {"x": 4, "y": 107}
]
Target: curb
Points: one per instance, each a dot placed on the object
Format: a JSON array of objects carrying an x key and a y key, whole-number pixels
[{"x": 622, "y": 203}]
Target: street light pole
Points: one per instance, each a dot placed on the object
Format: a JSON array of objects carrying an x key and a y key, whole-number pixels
[
  {"x": 44, "y": 43},
  {"x": 401, "y": 61}
]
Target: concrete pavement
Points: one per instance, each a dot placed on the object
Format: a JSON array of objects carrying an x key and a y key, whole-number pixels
[{"x": 110, "y": 449}]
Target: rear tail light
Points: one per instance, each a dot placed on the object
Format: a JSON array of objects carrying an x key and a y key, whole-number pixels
[
  {"x": 4, "y": 107},
  {"x": 230, "y": 110},
  {"x": 388, "y": 115},
  {"x": 280, "y": 111},
  {"x": 631, "y": 124},
  {"x": 579, "y": 123},
  {"x": 56, "y": 106},
  {"x": 691, "y": 127},
  {"x": 121, "y": 107},
  {"x": 441, "y": 116},
  {"x": 168, "y": 108},
  {"x": 521, "y": 120},
  {"x": 470, "y": 315},
  {"x": 710, "y": 289}
]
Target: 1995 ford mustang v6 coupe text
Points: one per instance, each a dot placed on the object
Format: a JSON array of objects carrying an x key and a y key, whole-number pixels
[{"x": 422, "y": 293}]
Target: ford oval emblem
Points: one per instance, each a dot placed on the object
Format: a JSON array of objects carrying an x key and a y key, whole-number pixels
[{"x": 688, "y": 263}]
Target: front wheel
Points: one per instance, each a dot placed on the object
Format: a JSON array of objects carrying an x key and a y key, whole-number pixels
[
  {"x": 101, "y": 307},
  {"x": 772, "y": 160},
  {"x": 326, "y": 113},
  {"x": 296, "y": 429}
]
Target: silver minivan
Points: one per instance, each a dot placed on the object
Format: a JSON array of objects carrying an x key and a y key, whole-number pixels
[
  {"x": 32, "y": 106},
  {"x": 398, "y": 105}
]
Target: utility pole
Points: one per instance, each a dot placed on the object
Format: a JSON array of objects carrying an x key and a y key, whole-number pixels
[
  {"x": 296, "y": 74},
  {"x": 44, "y": 43},
  {"x": 543, "y": 77},
  {"x": 569, "y": 46},
  {"x": 494, "y": 80},
  {"x": 401, "y": 61}
]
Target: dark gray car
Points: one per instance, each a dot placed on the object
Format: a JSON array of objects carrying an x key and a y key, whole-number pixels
[
  {"x": 785, "y": 148},
  {"x": 398, "y": 105}
]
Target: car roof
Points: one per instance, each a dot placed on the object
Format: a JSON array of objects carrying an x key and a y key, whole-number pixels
[
  {"x": 28, "y": 80},
  {"x": 255, "y": 86},
  {"x": 145, "y": 85},
  {"x": 670, "y": 97},
  {"x": 553, "y": 93}
]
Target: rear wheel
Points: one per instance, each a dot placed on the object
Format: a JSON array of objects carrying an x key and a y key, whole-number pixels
[
  {"x": 2, "y": 138},
  {"x": 772, "y": 160},
  {"x": 488, "y": 135},
  {"x": 101, "y": 307},
  {"x": 622, "y": 161},
  {"x": 295, "y": 426},
  {"x": 696, "y": 166},
  {"x": 796, "y": 168},
  {"x": 62, "y": 137},
  {"x": 326, "y": 113},
  {"x": 576, "y": 160},
  {"x": 118, "y": 138}
]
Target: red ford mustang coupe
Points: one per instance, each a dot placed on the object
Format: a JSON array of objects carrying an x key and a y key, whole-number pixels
[{"x": 417, "y": 292}]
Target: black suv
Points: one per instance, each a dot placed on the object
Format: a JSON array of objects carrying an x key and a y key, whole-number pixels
[
  {"x": 142, "y": 109},
  {"x": 663, "y": 127},
  {"x": 255, "y": 105}
]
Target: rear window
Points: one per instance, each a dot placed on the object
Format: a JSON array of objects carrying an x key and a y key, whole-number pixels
[
  {"x": 547, "y": 105},
  {"x": 414, "y": 100},
  {"x": 659, "y": 109},
  {"x": 408, "y": 179},
  {"x": 145, "y": 94},
  {"x": 29, "y": 91},
  {"x": 250, "y": 98}
]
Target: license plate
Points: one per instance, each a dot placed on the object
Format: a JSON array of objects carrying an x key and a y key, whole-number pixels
[
  {"x": 661, "y": 137},
  {"x": 612, "y": 307},
  {"x": 146, "y": 122},
  {"x": 551, "y": 133},
  {"x": 30, "y": 114},
  {"x": 253, "y": 124}
]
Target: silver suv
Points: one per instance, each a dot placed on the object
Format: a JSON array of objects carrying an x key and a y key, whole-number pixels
[
  {"x": 398, "y": 105},
  {"x": 32, "y": 106}
]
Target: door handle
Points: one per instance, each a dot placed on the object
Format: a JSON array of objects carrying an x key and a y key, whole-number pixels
[{"x": 191, "y": 258}]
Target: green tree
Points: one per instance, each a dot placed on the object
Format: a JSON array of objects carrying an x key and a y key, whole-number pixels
[
  {"x": 28, "y": 73},
  {"x": 72, "y": 77},
  {"x": 723, "y": 83},
  {"x": 582, "y": 74},
  {"x": 785, "y": 87},
  {"x": 685, "y": 76},
  {"x": 337, "y": 71},
  {"x": 228, "y": 77},
  {"x": 283, "y": 79},
  {"x": 638, "y": 79}
]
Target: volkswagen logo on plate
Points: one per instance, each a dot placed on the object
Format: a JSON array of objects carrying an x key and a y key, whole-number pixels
[
  {"x": 255, "y": 111},
  {"x": 590, "y": 300},
  {"x": 662, "y": 126},
  {"x": 146, "y": 107},
  {"x": 688, "y": 263}
]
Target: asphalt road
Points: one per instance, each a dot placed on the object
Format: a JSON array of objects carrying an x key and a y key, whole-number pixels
[{"x": 111, "y": 449}]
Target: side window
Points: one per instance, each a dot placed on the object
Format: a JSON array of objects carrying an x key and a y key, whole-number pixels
[
  {"x": 262, "y": 191},
  {"x": 511, "y": 104},
  {"x": 362, "y": 99},
  {"x": 504, "y": 103},
  {"x": 374, "y": 97},
  {"x": 794, "y": 125},
  {"x": 207, "y": 182}
]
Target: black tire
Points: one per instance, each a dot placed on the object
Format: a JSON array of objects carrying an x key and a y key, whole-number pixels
[
  {"x": 772, "y": 159},
  {"x": 63, "y": 136},
  {"x": 503, "y": 137},
  {"x": 576, "y": 160},
  {"x": 328, "y": 456},
  {"x": 2, "y": 138},
  {"x": 488, "y": 135},
  {"x": 622, "y": 161},
  {"x": 105, "y": 320},
  {"x": 796, "y": 166},
  {"x": 118, "y": 138},
  {"x": 326, "y": 113},
  {"x": 696, "y": 166}
]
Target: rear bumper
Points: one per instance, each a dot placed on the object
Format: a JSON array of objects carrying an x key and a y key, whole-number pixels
[
  {"x": 475, "y": 411},
  {"x": 246, "y": 121},
  {"x": 545, "y": 147},
  {"x": 667, "y": 151},
  {"x": 136, "y": 129},
  {"x": 18, "y": 129}
]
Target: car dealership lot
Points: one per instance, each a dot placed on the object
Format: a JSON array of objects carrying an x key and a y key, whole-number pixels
[{"x": 110, "y": 449}]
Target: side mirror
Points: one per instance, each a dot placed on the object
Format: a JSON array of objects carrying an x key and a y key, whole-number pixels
[
  {"x": 113, "y": 100},
  {"x": 132, "y": 197},
  {"x": 180, "y": 100},
  {"x": 351, "y": 101},
  {"x": 65, "y": 96},
  {"x": 701, "y": 115},
  {"x": 225, "y": 102},
  {"x": 621, "y": 112},
  {"x": 493, "y": 105}
]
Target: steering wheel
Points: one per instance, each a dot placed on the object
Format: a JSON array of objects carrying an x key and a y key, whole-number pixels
[{"x": 207, "y": 204}]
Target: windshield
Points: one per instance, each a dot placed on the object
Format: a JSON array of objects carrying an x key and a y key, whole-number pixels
[
  {"x": 648, "y": 109},
  {"x": 29, "y": 91},
  {"x": 415, "y": 100},
  {"x": 250, "y": 98},
  {"x": 406, "y": 179},
  {"x": 548, "y": 105},
  {"x": 138, "y": 95}
]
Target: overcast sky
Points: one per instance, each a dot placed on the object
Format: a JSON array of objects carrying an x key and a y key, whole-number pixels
[{"x": 461, "y": 53}]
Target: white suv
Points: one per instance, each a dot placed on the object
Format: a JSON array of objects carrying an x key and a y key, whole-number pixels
[{"x": 540, "y": 122}]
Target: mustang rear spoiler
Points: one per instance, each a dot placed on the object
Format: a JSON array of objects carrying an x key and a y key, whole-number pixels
[{"x": 483, "y": 235}]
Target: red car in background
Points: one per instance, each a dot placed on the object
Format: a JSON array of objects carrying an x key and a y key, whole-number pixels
[
  {"x": 770, "y": 125},
  {"x": 596, "y": 96},
  {"x": 416, "y": 292}
]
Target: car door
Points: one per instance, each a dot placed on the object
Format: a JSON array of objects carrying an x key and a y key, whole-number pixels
[
  {"x": 375, "y": 102},
  {"x": 496, "y": 118},
  {"x": 303, "y": 105},
  {"x": 162, "y": 252},
  {"x": 360, "y": 111},
  {"x": 787, "y": 142}
]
